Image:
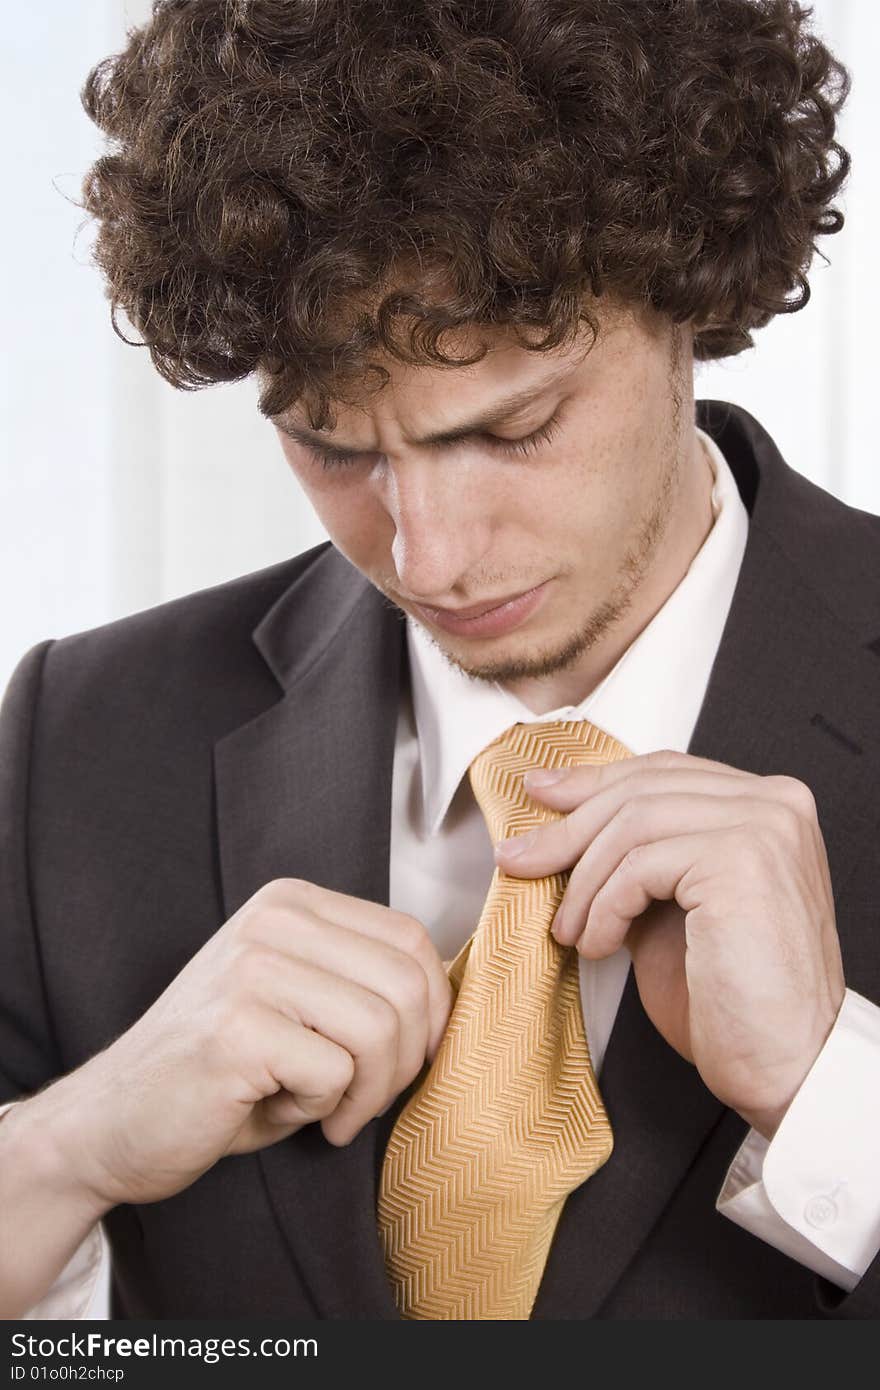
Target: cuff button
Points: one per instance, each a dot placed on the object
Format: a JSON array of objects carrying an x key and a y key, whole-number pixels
[{"x": 821, "y": 1211}]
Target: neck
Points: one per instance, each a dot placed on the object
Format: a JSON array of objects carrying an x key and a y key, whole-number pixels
[{"x": 689, "y": 525}]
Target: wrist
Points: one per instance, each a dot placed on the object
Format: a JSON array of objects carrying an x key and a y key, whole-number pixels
[
  {"x": 767, "y": 1117},
  {"x": 46, "y": 1131},
  {"x": 765, "y": 1122}
]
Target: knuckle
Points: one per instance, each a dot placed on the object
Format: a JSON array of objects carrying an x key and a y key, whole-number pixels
[
  {"x": 410, "y": 935},
  {"x": 795, "y": 794},
  {"x": 246, "y": 919},
  {"x": 317, "y": 1105},
  {"x": 570, "y": 830},
  {"x": 232, "y": 1031},
  {"x": 283, "y": 892},
  {"x": 270, "y": 893},
  {"x": 339, "y": 1074},
  {"x": 252, "y": 966},
  {"x": 229, "y": 977},
  {"x": 413, "y": 984},
  {"x": 665, "y": 757},
  {"x": 252, "y": 919},
  {"x": 632, "y": 811},
  {"x": 345, "y": 1071},
  {"x": 381, "y": 1019},
  {"x": 264, "y": 920},
  {"x": 320, "y": 1107},
  {"x": 631, "y": 861},
  {"x": 789, "y": 822},
  {"x": 597, "y": 902}
]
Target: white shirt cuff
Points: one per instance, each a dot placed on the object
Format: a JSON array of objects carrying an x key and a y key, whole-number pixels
[
  {"x": 78, "y": 1292},
  {"x": 813, "y": 1192}
]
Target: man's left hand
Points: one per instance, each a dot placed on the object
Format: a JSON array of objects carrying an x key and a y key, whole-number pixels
[{"x": 717, "y": 881}]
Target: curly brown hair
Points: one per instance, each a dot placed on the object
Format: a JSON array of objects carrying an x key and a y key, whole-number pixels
[{"x": 291, "y": 182}]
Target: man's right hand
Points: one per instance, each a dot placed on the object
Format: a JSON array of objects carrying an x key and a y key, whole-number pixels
[{"x": 306, "y": 1005}]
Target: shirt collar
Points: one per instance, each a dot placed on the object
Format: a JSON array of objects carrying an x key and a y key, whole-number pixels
[{"x": 650, "y": 699}]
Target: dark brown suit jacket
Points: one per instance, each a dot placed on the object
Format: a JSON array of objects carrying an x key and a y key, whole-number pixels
[{"x": 154, "y": 772}]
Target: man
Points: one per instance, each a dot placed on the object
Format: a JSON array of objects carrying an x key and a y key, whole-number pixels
[{"x": 249, "y": 852}]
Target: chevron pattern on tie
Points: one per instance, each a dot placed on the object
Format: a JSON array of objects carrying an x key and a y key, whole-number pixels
[{"x": 508, "y": 1119}]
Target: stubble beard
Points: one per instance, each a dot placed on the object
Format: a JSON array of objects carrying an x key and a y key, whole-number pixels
[
  {"x": 548, "y": 661},
  {"x": 635, "y": 565}
]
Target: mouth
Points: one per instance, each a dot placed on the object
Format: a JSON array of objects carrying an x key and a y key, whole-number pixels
[{"x": 491, "y": 618}]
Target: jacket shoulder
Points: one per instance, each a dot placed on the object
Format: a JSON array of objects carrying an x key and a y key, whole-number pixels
[
  {"x": 182, "y": 658},
  {"x": 833, "y": 546},
  {"x": 220, "y": 615}
]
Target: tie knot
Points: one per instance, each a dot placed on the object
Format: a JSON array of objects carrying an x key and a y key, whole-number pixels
[{"x": 496, "y": 773}]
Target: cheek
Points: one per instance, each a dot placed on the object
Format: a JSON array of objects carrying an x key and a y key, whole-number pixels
[
  {"x": 571, "y": 497},
  {"x": 584, "y": 511},
  {"x": 604, "y": 482}
]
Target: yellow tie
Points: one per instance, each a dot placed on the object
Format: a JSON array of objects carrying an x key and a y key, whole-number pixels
[{"x": 508, "y": 1119}]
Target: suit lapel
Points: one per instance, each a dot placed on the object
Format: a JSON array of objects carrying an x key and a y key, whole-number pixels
[
  {"x": 304, "y": 791},
  {"x": 791, "y": 692}
]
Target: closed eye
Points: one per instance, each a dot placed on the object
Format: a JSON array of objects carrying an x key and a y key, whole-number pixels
[{"x": 526, "y": 444}]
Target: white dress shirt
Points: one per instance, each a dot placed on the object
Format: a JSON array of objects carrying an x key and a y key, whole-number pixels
[{"x": 813, "y": 1192}]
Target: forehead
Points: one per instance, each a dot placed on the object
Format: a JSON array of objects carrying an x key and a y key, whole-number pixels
[{"x": 433, "y": 393}]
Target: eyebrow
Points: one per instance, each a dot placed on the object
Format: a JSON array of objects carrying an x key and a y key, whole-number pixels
[{"x": 498, "y": 412}]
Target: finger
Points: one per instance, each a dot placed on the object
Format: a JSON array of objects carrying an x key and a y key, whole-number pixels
[
  {"x": 356, "y": 1019},
  {"x": 559, "y": 844},
  {"x": 640, "y": 821},
  {"x": 661, "y": 870},
  {"x": 575, "y": 784},
  {"x": 361, "y": 960},
  {"x": 312, "y": 1074},
  {"x": 312, "y": 1071},
  {"x": 377, "y": 922},
  {"x": 407, "y": 940}
]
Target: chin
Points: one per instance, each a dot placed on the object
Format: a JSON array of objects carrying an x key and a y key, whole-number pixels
[{"x": 506, "y": 660}]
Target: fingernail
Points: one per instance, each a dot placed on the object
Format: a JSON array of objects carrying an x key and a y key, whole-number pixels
[
  {"x": 544, "y": 777},
  {"x": 515, "y": 845},
  {"x": 556, "y": 924}
]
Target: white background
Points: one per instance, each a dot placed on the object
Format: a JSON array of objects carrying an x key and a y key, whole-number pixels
[{"x": 117, "y": 492}]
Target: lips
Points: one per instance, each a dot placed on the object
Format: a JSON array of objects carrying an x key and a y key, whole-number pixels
[
  {"x": 482, "y": 620},
  {"x": 477, "y": 610}
]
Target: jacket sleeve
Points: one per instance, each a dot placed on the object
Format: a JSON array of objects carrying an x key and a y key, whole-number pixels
[{"x": 29, "y": 1055}]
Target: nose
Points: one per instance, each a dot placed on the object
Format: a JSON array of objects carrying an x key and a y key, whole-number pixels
[{"x": 442, "y": 527}]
